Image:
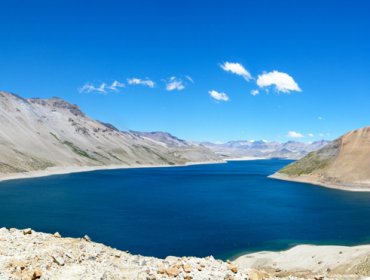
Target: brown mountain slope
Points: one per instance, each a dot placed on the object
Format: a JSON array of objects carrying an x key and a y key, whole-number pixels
[{"x": 344, "y": 163}]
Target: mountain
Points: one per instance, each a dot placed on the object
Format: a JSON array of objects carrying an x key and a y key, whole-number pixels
[
  {"x": 264, "y": 149},
  {"x": 343, "y": 163},
  {"x": 38, "y": 134},
  {"x": 165, "y": 138}
]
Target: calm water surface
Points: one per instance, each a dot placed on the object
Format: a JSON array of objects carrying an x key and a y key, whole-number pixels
[{"x": 216, "y": 209}]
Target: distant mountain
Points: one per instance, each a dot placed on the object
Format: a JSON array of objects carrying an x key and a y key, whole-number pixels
[
  {"x": 42, "y": 133},
  {"x": 265, "y": 149},
  {"x": 344, "y": 163}
]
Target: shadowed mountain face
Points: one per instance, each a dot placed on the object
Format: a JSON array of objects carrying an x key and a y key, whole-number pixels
[
  {"x": 266, "y": 149},
  {"x": 40, "y": 133},
  {"x": 345, "y": 161}
]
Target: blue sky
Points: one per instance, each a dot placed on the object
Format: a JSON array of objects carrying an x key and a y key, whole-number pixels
[{"x": 309, "y": 61}]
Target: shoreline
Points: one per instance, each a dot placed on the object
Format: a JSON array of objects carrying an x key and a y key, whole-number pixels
[
  {"x": 309, "y": 180},
  {"x": 307, "y": 260},
  {"x": 28, "y": 254},
  {"x": 245, "y": 158},
  {"x": 62, "y": 170}
]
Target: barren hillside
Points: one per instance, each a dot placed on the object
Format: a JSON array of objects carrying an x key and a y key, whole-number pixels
[
  {"x": 344, "y": 163},
  {"x": 37, "y": 134}
]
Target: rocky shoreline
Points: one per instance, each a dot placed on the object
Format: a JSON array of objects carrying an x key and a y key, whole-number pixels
[{"x": 29, "y": 255}]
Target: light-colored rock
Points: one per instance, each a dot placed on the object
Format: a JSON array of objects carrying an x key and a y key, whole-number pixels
[
  {"x": 187, "y": 268},
  {"x": 256, "y": 275},
  {"x": 58, "y": 260},
  {"x": 172, "y": 271},
  {"x": 161, "y": 270},
  {"x": 37, "y": 273},
  {"x": 43, "y": 256},
  {"x": 86, "y": 238},
  {"x": 232, "y": 267},
  {"x": 309, "y": 261},
  {"x": 57, "y": 235}
]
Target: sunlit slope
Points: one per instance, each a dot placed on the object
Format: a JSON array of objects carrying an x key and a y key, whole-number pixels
[
  {"x": 345, "y": 161},
  {"x": 40, "y": 133}
]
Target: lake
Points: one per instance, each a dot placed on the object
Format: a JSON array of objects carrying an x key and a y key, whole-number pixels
[{"x": 212, "y": 209}]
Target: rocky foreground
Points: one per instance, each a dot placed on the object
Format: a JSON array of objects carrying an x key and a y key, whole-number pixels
[{"x": 26, "y": 254}]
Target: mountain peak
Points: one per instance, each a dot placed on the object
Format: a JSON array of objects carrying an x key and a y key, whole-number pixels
[{"x": 58, "y": 103}]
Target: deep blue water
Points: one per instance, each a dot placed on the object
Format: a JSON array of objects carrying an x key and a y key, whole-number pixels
[{"x": 215, "y": 209}]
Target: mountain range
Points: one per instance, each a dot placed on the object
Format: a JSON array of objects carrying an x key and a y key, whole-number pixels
[
  {"x": 37, "y": 134},
  {"x": 264, "y": 149},
  {"x": 44, "y": 134}
]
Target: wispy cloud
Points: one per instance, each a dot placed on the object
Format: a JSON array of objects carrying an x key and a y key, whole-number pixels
[
  {"x": 281, "y": 81},
  {"x": 237, "y": 69},
  {"x": 190, "y": 79},
  {"x": 116, "y": 85},
  {"x": 294, "y": 134},
  {"x": 255, "y": 92},
  {"x": 311, "y": 135},
  {"x": 89, "y": 87},
  {"x": 174, "y": 83},
  {"x": 103, "y": 88},
  {"x": 320, "y": 118},
  {"x": 219, "y": 96},
  {"x": 144, "y": 82}
]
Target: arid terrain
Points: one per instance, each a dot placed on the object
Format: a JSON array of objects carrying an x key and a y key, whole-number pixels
[
  {"x": 342, "y": 164},
  {"x": 54, "y": 135},
  {"x": 29, "y": 255}
]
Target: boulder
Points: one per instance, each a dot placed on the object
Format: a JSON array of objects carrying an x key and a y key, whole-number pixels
[
  {"x": 86, "y": 238},
  {"x": 172, "y": 271},
  {"x": 187, "y": 268},
  {"x": 27, "y": 231}
]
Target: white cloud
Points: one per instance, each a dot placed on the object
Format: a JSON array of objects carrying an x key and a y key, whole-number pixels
[
  {"x": 116, "y": 85},
  {"x": 311, "y": 135},
  {"x": 237, "y": 69},
  {"x": 174, "y": 83},
  {"x": 190, "y": 79},
  {"x": 294, "y": 134},
  {"x": 88, "y": 87},
  {"x": 144, "y": 82},
  {"x": 220, "y": 96},
  {"x": 281, "y": 81},
  {"x": 103, "y": 88},
  {"x": 255, "y": 92}
]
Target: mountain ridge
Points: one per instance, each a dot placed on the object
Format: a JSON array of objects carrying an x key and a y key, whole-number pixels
[
  {"x": 264, "y": 149},
  {"x": 51, "y": 134},
  {"x": 39, "y": 134}
]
